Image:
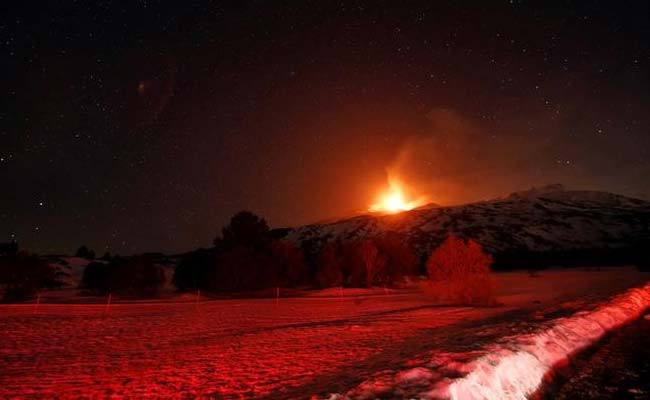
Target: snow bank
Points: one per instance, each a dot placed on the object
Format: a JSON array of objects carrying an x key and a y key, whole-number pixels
[
  {"x": 513, "y": 368},
  {"x": 517, "y": 368}
]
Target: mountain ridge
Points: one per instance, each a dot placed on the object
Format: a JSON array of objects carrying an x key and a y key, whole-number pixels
[{"x": 548, "y": 218}]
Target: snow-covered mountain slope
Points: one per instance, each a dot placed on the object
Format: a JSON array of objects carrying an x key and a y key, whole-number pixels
[{"x": 541, "y": 219}]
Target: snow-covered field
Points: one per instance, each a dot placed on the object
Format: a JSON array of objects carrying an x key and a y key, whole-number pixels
[{"x": 361, "y": 344}]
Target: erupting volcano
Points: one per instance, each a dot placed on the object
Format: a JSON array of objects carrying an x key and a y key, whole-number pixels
[{"x": 394, "y": 200}]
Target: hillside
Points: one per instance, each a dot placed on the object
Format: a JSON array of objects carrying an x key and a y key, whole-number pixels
[{"x": 547, "y": 219}]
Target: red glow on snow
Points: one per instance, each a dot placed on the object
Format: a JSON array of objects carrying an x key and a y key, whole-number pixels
[
  {"x": 223, "y": 349},
  {"x": 511, "y": 367},
  {"x": 295, "y": 347},
  {"x": 516, "y": 370}
]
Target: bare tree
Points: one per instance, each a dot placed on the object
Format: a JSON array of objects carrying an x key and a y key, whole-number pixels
[
  {"x": 459, "y": 272},
  {"x": 374, "y": 263}
]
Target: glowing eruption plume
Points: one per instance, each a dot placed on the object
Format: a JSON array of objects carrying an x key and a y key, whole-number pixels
[{"x": 394, "y": 200}]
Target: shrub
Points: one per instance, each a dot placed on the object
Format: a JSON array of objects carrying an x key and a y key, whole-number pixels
[
  {"x": 289, "y": 261},
  {"x": 459, "y": 272},
  {"x": 84, "y": 252},
  {"x": 241, "y": 268},
  {"x": 374, "y": 264},
  {"x": 311, "y": 250},
  {"x": 196, "y": 270},
  {"x": 22, "y": 275},
  {"x": 353, "y": 266},
  {"x": 244, "y": 229},
  {"x": 242, "y": 257},
  {"x": 400, "y": 259},
  {"x": 138, "y": 276},
  {"x": 330, "y": 267},
  {"x": 379, "y": 261},
  {"x": 96, "y": 279}
]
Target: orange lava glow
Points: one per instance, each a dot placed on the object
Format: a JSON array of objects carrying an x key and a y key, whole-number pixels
[{"x": 394, "y": 200}]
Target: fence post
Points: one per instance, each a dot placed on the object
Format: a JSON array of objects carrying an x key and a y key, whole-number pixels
[
  {"x": 108, "y": 302},
  {"x": 38, "y": 301}
]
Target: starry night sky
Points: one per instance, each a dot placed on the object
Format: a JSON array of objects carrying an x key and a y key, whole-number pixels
[{"x": 139, "y": 126}]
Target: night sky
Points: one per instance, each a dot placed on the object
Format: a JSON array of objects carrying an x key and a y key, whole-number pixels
[{"x": 138, "y": 126}]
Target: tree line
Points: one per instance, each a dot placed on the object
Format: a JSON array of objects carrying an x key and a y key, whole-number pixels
[
  {"x": 23, "y": 274},
  {"x": 248, "y": 256}
]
